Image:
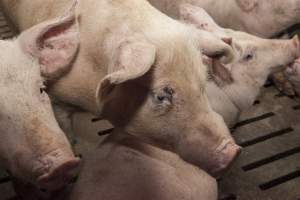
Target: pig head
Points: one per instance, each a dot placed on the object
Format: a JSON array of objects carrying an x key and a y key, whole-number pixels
[
  {"x": 167, "y": 106},
  {"x": 144, "y": 78},
  {"x": 33, "y": 147},
  {"x": 255, "y": 59}
]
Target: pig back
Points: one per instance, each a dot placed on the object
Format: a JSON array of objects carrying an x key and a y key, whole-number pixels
[{"x": 132, "y": 170}]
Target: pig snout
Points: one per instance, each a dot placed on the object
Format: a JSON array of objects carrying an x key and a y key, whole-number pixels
[
  {"x": 50, "y": 172},
  {"x": 225, "y": 155},
  {"x": 57, "y": 170}
]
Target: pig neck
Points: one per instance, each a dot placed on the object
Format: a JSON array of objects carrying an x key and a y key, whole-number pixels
[
  {"x": 243, "y": 93},
  {"x": 223, "y": 104},
  {"x": 118, "y": 137}
]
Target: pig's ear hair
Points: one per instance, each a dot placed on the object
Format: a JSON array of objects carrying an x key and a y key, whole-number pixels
[
  {"x": 54, "y": 43},
  {"x": 130, "y": 61},
  {"x": 219, "y": 73},
  {"x": 247, "y": 5},
  {"x": 198, "y": 17}
]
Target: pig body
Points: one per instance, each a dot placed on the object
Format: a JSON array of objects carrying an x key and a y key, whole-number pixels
[
  {"x": 33, "y": 148},
  {"x": 123, "y": 167},
  {"x": 143, "y": 72},
  {"x": 262, "y": 18}
]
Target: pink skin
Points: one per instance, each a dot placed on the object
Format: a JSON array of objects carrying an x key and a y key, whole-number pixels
[
  {"x": 261, "y": 18},
  {"x": 35, "y": 149},
  {"x": 293, "y": 74},
  {"x": 145, "y": 78},
  {"x": 256, "y": 58},
  {"x": 123, "y": 167}
]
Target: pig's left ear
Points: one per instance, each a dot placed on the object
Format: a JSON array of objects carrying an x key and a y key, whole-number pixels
[
  {"x": 131, "y": 60},
  {"x": 247, "y": 5},
  {"x": 54, "y": 43}
]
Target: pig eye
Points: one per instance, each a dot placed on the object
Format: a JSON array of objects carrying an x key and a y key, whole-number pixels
[
  {"x": 43, "y": 89},
  {"x": 164, "y": 97},
  {"x": 248, "y": 57}
]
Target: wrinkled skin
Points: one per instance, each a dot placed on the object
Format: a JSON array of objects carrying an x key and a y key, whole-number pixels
[
  {"x": 123, "y": 167},
  {"x": 262, "y": 18},
  {"x": 235, "y": 86},
  {"x": 146, "y": 79},
  {"x": 33, "y": 148}
]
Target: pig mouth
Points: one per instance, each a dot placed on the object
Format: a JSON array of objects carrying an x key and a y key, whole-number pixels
[{"x": 55, "y": 170}]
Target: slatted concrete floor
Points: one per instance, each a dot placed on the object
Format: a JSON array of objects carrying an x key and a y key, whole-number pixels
[{"x": 269, "y": 167}]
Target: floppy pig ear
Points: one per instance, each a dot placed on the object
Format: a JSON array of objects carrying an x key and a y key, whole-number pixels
[
  {"x": 220, "y": 74},
  {"x": 216, "y": 48},
  {"x": 130, "y": 61},
  {"x": 210, "y": 44},
  {"x": 247, "y": 5},
  {"x": 54, "y": 43}
]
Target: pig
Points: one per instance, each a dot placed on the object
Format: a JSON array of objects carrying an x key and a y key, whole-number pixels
[
  {"x": 142, "y": 71},
  {"x": 33, "y": 147},
  {"x": 265, "y": 19},
  {"x": 235, "y": 86},
  {"x": 124, "y": 167}
]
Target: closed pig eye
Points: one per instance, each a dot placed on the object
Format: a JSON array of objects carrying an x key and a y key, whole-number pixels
[
  {"x": 248, "y": 57},
  {"x": 42, "y": 89},
  {"x": 163, "y": 98}
]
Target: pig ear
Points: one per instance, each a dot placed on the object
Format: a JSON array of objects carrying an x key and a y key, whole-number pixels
[
  {"x": 210, "y": 45},
  {"x": 216, "y": 48},
  {"x": 247, "y": 5},
  {"x": 198, "y": 17},
  {"x": 131, "y": 61},
  {"x": 54, "y": 43},
  {"x": 220, "y": 74}
]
